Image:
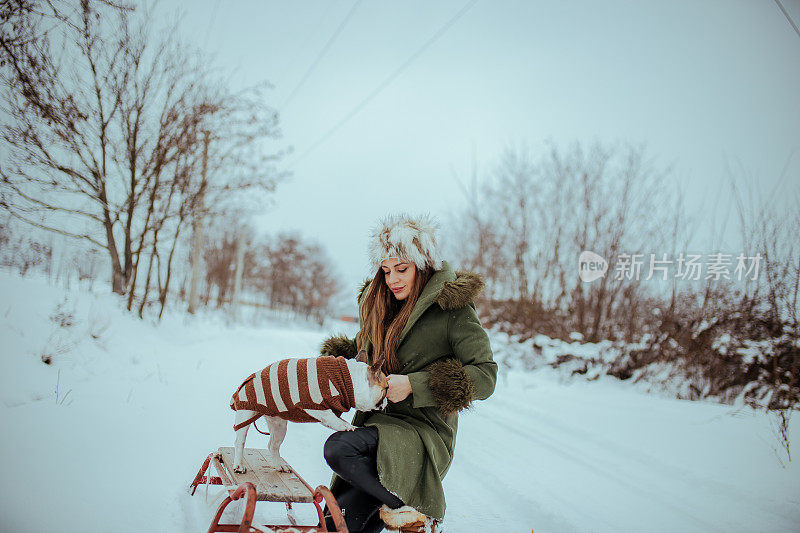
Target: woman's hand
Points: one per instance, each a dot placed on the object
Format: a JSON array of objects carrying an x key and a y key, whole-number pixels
[{"x": 399, "y": 388}]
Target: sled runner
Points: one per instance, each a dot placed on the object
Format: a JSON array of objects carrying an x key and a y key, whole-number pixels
[{"x": 264, "y": 482}]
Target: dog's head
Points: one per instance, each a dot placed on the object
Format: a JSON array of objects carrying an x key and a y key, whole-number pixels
[{"x": 369, "y": 384}]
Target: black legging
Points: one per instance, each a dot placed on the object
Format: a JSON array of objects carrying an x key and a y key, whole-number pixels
[{"x": 352, "y": 455}]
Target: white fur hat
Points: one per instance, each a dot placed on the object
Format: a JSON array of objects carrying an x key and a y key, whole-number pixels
[{"x": 406, "y": 237}]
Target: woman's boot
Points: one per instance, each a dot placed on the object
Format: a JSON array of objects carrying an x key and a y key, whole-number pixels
[{"x": 406, "y": 519}]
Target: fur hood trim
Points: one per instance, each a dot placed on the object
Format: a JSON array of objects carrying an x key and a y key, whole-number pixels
[
  {"x": 363, "y": 290},
  {"x": 461, "y": 291},
  {"x": 454, "y": 294}
]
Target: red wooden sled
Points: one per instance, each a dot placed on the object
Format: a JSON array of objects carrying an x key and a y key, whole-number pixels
[{"x": 263, "y": 482}]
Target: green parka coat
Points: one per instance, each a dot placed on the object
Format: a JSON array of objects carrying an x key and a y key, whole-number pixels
[{"x": 446, "y": 355}]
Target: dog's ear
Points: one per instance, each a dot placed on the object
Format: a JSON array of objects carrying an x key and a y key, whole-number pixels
[
  {"x": 362, "y": 357},
  {"x": 376, "y": 375}
]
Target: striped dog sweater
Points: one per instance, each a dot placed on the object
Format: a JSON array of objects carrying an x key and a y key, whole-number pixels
[{"x": 286, "y": 387}]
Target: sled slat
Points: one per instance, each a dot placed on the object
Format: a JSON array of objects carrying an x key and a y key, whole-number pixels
[
  {"x": 271, "y": 485},
  {"x": 289, "y": 479},
  {"x": 270, "y": 477}
]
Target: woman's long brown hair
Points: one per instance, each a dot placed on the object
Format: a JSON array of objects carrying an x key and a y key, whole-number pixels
[{"x": 385, "y": 317}]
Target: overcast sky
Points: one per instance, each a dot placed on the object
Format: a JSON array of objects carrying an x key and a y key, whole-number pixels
[{"x": 705, "y": 84}]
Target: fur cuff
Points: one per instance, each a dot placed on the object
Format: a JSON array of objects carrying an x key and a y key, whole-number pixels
[
  {"x": 451, "y": 386},
  {"x": 339, "y": 346}
]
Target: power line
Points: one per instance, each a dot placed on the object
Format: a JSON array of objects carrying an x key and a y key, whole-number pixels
[
  {"x": 785, "y": 14},
  {"x": 318, "y": 26},
  {"x": 353, "y": 112},
  {"x": 321, "y": 54}
]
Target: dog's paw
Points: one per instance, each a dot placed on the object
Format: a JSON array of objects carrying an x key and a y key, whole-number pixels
[
  {"x": 240, "y": 469},
  {"x": 277, "y": 462}
]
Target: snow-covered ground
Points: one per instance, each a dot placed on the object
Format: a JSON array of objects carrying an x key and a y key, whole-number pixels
[{"x": 140, "y": 405}]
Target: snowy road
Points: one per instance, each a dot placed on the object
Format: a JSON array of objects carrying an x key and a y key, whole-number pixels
[
  {"x": 147, "y": 403},
  {"x": 593, "y": 457}
]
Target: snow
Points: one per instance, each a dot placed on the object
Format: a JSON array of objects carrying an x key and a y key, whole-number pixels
[
  {"x": 721, "y": 344},
  {"x": 140, "y": 404}
]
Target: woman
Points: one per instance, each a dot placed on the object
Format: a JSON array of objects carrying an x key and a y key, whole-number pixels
[{"x": 419, "y": 324}]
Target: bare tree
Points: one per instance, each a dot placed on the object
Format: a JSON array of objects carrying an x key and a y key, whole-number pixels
[
  {"x": 59, "y": 139},
  {"x": 26, "y": 27},
  {"x": 545, "y": 211},
  {"x": 92, "y": 97},
  {"x": 293, "y": 274},
  {"x": 476, "y": 243},
  {"x": 108, "y": 147},
  {"x": 769, "y": 305},
  {"x": 518, "y": 191}
]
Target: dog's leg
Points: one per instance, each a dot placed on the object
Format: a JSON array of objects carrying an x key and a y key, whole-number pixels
[
  {"x": 241, "y": 437},
  {"x": 328, "y": 419},
  {"x": 277, "y": 432}
]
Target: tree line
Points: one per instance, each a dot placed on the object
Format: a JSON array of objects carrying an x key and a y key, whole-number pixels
[
  {"x": 525, "y": 225},
  {"x": 286, "y": 271}
]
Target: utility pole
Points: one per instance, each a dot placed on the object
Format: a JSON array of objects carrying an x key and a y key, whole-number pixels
[{"x": 197, "y": 232}]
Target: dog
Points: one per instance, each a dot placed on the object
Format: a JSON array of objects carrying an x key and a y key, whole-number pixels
[{"x": 317, "y": 389}]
